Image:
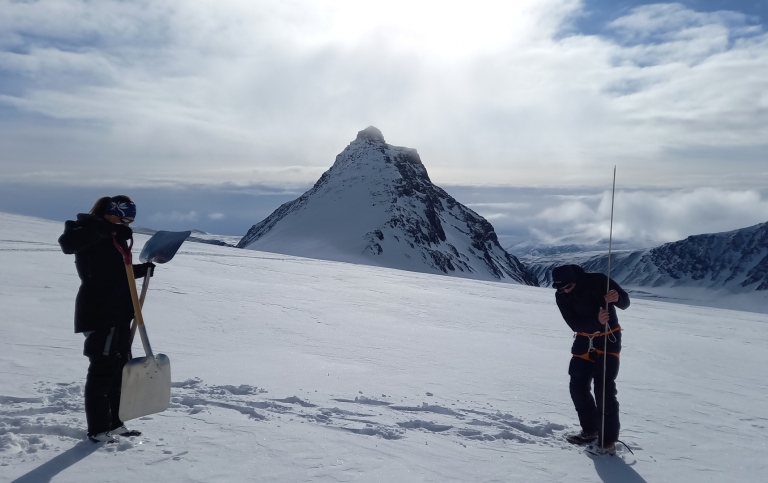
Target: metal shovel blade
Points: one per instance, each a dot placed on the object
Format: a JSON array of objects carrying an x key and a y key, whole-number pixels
[
  {"x": 146, "y": 387},
  {"x": 162, "y": 246}
]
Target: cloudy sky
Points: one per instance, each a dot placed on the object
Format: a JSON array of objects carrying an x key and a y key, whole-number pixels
[{"x": 213, "y": 113}]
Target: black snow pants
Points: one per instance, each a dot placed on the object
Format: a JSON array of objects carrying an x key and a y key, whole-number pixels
[
  {"x": 584, "y": 374},
  {"x": 107, "y": 351}
]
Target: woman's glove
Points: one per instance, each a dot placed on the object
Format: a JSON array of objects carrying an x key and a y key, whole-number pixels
[
  {"x": 140, "y": 271},
  {"x": 122, "y": 232}
]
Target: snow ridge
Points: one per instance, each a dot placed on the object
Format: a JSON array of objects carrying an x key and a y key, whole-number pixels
[{"x": 377, "y": 206}]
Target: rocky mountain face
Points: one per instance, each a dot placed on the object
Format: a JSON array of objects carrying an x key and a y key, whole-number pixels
[
  {"x": 376, "y": 205},
  {"x": 735, "y": 262}
]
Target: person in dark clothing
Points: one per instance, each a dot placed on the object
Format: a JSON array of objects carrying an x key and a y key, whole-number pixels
[
  {"x": 587, "y": 302},
  {"x": 103, "y": 307}
]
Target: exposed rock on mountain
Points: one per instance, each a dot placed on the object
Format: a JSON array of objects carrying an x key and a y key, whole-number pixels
[
  {"x": 376, "y": 205},
  {"x": 734, "y": 262}
]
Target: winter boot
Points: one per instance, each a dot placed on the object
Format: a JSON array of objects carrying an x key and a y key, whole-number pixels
[{"x": 581, "y": 438}]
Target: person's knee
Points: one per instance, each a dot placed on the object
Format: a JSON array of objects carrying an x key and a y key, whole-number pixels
[
  {"x": 580, "y": 371},
  {"x": 580, "y": 384},
  {"x": 104, "y": 370}
]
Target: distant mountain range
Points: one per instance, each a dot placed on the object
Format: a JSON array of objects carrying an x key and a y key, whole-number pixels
[
  {"x": 733, "y": 263},
  {"x": 377, "y": 206},
  {"x": 197, "y": 236}
]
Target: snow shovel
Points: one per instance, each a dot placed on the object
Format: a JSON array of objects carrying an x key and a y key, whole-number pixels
[
  {"x": 146, "y": 387},
  {"x": 160, "y": 248}
]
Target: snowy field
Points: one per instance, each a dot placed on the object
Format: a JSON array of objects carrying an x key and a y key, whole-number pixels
[{"x": 289, "y": 370}]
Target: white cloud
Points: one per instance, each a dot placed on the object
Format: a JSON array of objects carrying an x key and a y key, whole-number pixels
[
  {"x": 487, "y": 94},
  {"x": 173, "y": 216},
  {"x": 642, "y": 218},
  {"x": 507, "y": 205},
  {"x": 677, "y": 215},
  {"x": 650, "y": 218},
  {"x": 673, "y": 21},
  {"x": 570, "y": 212}
]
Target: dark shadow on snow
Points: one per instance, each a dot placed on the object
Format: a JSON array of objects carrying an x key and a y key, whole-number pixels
[
  {"x": 49, "y": 469},
  {"x": 616, "y": 470}
]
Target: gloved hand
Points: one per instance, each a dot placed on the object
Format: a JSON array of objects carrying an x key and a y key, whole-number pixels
[
  {"x": 141, "y": 270},
  {"x": 122, "y": 232},
  {"x": 147, "y": 266},
  {"x": 104, "y": 229}
]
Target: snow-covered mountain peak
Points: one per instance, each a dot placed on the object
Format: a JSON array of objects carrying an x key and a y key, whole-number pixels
[
  {"x": 371, "y": 134},
  {"x": 376, "y": 205},
  {"x": 366, "y": 156}
]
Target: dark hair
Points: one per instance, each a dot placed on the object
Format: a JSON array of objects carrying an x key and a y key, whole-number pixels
[{"x": 101, "y": 205}]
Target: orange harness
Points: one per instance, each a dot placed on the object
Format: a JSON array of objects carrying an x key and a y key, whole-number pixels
[{"x": 592, "y": 348}]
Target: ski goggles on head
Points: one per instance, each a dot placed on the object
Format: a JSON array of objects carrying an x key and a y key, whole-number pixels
[{"x": 122, "y": 209}]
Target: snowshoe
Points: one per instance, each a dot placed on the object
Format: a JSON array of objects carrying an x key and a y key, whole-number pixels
[
  {"x": 105, "y": 437},
  {"x": 125, "y": 432},
  {"x": 595, "y": 449}
]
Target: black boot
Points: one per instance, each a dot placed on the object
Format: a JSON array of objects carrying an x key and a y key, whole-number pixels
[{"x": 582, "y": 438}]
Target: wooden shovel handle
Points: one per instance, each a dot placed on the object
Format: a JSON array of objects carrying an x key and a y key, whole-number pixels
[
  {"x": 134, "y": 294},
  {"x": 143, "y": 296},
  {"x": 126, "y": 253}
]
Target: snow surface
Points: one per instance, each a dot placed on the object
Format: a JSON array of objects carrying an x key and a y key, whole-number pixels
[{"x": 288, "y": 369}]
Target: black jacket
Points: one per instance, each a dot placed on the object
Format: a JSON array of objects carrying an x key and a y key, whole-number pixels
[
  {"x": 104, "y": 298},
  {"x": 582, "y": 305}
]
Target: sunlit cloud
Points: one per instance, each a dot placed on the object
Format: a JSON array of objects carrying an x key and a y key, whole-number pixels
[
  {"x": 262, "y": 95},
  {"x": 641, "y": 218},
  {"x": 493, "y": 85}
]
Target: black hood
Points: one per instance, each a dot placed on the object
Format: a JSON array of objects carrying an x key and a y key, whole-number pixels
[{"x": 566, "y": 274}]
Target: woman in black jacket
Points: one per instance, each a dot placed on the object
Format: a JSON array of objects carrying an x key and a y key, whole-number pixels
[
  {"x": 587, "y": 302},
  {"x": 103, "y": 307}
]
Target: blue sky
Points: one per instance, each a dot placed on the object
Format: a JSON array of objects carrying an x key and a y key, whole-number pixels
[
  {"x": 212, "y": 113},
  {"x": 598, "y": 14}
]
